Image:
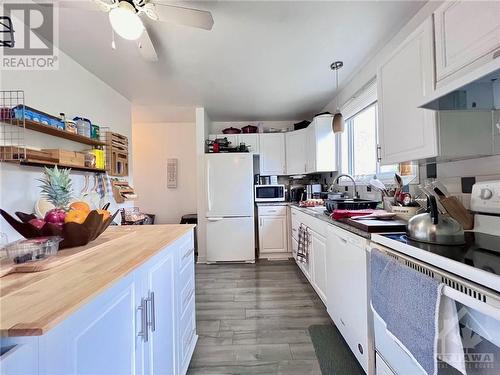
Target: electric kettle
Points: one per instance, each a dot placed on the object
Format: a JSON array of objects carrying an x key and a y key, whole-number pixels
[{"x": 431, "y": 227}]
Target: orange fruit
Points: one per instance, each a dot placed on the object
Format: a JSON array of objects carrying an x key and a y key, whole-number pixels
[
  {"x": 105, "y": 214},
  {"x": 76, "y": 216},
  {"x": 80, "y": 206}
]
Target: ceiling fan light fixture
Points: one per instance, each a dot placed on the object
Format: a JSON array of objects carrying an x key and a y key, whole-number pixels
[{"x": 125, "y": 21}]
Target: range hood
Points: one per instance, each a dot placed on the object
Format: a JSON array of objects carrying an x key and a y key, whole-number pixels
[{"x": 478, "y": 90}]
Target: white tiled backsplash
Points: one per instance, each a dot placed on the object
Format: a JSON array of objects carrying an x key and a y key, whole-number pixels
[{"x": 450, "y": 174}]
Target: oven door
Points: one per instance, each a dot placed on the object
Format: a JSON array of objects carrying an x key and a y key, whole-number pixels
[
  {"x": 269, "y": 193},
  {"x": 478, "y": 313},
  {"x": 480, "y": 335}
]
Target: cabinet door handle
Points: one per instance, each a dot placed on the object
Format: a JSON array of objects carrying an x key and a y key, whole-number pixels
[
  {"x": 151, "y": 302},
  {"x": 188, "y": 253},
  {"x": 144, "y": 321},
  {"x": 343, "y": 240}
]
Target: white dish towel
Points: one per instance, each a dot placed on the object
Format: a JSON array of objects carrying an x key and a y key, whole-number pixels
[{"x": 450, "y": 347}]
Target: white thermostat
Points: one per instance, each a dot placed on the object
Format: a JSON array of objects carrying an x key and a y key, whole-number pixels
[{"x": 172, "y": 173}]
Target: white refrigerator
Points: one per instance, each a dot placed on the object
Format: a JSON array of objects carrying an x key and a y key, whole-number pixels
[{"x": 230, "y": 207}]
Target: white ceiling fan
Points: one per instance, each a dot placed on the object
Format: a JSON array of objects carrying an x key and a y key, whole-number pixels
[{"x": 124, "y": 16}]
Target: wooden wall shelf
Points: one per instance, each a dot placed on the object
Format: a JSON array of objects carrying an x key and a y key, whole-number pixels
[
  {"x": 38, "y": 163},
  {"x": 41, "y": 128}
]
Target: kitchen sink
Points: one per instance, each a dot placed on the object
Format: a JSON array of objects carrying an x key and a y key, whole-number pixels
[{"x": 349, "y": 204}]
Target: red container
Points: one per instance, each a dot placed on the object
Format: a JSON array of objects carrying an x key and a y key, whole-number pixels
[
  {"x": 249, "y": 129},
  {"x": 231, "y": 130}
]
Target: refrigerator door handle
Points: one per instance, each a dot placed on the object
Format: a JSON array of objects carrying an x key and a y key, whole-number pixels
[{"x": 215, "y": 218}]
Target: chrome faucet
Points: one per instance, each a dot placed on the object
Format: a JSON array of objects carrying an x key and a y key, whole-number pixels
[{"x": 355, "y": 194}]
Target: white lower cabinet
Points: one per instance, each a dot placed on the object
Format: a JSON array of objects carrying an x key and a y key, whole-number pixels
[
  {"x": 18, "y": 359},
  {"x": 315, "y": 269},
  {"x": 100, "y": 338},
  {"x": 133, "y": 327},
  {"x": 347, "y": 293},
  {"x": 318, "y": 252},
  {"x": 273, "y": 238},
  {"x": 158, "y": 289}
]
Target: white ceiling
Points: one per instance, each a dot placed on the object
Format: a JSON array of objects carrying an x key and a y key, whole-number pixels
[{"x": 263, "y": 60}]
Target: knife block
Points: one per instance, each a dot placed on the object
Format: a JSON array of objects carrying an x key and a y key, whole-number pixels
[{"x": 456, "y": 210}]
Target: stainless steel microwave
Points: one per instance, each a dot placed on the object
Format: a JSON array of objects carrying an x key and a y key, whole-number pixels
[{"x": 269, "y": 193}]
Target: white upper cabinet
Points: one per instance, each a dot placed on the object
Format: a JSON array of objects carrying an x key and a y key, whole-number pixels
[
  {"x": 272, "y": 154},
  {"x": 467, "y": 34},
  {"x": 404, "y": 79},
  {"x": 320, "y": 146},
  {"x": 296, "y": 152}
]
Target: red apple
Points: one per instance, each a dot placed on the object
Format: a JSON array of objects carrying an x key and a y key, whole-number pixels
[
  {"x": 55, "y": 216},
  {"x": 37, "y": 223}
]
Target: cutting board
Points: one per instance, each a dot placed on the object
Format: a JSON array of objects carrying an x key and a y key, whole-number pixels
[
  {"x": 377, "y": 226},
  {"x": 62, "y": 256}
]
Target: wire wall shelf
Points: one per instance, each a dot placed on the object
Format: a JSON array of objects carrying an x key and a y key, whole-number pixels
[{"x": 12, "y": 126}]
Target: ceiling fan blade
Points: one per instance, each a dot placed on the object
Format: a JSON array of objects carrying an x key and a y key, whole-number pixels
[
  {"x": 146, "y": 47},
  {"x": 201, "y": 19},
  {"x": 90, "y": 5}
]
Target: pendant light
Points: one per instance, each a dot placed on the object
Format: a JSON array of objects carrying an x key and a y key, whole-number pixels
[{"x": 338, "y": 120}]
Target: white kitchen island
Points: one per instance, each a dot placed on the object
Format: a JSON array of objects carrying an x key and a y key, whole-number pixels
[{"x": 123, "y": 306}]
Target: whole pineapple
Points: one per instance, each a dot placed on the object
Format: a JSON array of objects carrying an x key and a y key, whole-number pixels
[{"x": 57, "y": 189}]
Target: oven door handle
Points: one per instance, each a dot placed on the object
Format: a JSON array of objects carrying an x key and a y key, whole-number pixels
[{"x": 472, "y": 303}]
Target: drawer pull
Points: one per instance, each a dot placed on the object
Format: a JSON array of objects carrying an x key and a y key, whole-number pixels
[
  {"x": 188, "y": 297},
  {"x": 151, "y": 299},
  {"x": 144, "y": 320},
  {"x": 188, "y": 253}
]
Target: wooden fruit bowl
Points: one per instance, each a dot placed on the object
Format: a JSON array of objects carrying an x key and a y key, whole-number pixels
[{"x": 73, "y": 234}]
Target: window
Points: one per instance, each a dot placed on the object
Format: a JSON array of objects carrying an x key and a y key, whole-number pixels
[{"x": 358, "y": 143}]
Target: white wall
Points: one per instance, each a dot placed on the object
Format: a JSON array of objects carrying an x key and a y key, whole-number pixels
[
  {"x": 153, "y": 144},
  {"x": 368, "y": 71},
  {"x": 70, "y": 89},
  {"x": 203, "y": 126}
]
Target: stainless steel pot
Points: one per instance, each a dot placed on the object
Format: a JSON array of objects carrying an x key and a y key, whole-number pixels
[{"x": 430, "y": 227}]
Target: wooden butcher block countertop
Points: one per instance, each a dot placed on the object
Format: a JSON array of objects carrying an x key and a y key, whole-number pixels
[{"x": 33, "y": 303}]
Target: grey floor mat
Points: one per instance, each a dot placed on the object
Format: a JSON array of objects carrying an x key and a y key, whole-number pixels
[{"x": 333, "y": 353}]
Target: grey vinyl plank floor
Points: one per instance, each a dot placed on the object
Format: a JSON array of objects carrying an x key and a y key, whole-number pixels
[{"x": 253, "y": 319}]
